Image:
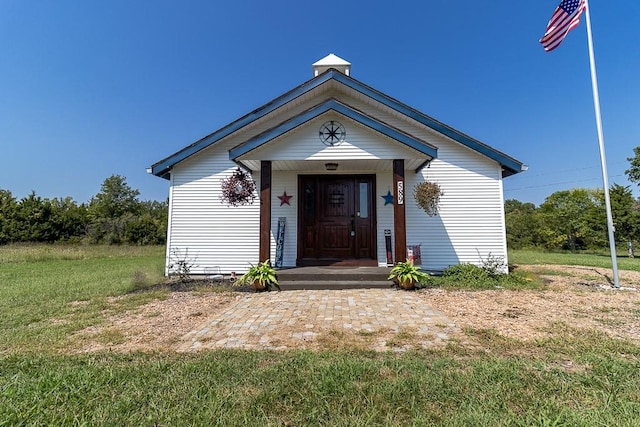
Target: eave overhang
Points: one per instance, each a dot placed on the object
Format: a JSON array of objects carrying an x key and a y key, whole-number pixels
[{"x": 334, "y": 105}]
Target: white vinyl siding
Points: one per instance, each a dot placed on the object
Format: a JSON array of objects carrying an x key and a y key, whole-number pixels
[
  {"x": 213, "y": 233},
  {"x": 361, "y": 143},
  {"x": 470, "y": 224},
  {"x": 469, "y": 227},
  {"x": 282, "y": 181},
  {"x": 384, "y": 183}
]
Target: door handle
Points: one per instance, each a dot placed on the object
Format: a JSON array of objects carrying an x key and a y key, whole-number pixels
[{"x": 353, "y": 227}]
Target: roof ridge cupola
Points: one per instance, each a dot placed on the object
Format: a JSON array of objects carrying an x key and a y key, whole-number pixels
[{"x": 331, "y": 61}]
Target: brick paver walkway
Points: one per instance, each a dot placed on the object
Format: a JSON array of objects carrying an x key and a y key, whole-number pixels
[{"x": 379, "y": 319}]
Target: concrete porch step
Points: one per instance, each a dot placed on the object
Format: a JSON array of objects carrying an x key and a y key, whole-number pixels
[
  {"x": 307, "y": 285},
  {"x": 303, "y": 278}
]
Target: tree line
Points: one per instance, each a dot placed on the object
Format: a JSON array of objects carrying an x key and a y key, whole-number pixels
[
  {"x": 573, "y": 220},
  {"x": 576, "y": 219},
  {"x": 569, "y": 219},
  {"x": 114, "y": 215}
]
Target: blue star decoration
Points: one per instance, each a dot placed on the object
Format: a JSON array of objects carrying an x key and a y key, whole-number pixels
[
  {"x": 388, "y": 199},
  {"x": 285, "y": 199}
]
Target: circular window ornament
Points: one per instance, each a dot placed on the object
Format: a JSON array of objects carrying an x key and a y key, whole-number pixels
[{"x": 332, "y": 133}]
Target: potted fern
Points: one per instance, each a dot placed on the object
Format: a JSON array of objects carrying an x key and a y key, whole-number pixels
[
  {"x": 261, "y": 277},
  {"x": 406, "y": 275}
]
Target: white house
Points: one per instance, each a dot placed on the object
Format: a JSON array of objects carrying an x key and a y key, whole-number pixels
[{"x": 336, "y": 161}]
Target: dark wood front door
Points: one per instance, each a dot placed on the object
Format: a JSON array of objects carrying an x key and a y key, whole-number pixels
[{"x": 337, "y": 220}]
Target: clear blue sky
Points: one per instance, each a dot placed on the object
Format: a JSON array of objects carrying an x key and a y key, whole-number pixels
[{"x": 89, "y": 89}]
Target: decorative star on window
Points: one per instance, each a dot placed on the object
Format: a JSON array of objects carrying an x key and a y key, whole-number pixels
[
  {"x": 388, "y": 198},
  {"x": 285, "y": 199}
]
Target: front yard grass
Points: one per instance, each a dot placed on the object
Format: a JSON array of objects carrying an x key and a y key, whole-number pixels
[
  {"x": 589, "y": 259},
  {"x": 50, "y": 291},
  {"x": 576, "y": 377},
  {"x": 588, "y": 380}
]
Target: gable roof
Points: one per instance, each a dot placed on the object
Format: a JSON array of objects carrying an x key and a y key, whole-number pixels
[
  {"x": 341, "y": 108},
  {"x": 509, "y": 165}
]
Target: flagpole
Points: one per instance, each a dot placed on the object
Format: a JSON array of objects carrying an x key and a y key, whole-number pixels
[{"x": 603, "y": 160}]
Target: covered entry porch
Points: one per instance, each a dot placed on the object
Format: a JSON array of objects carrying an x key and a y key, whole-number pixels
[
  {"x": 340, "y": 217},
  {"x": 346, "y": 159}
]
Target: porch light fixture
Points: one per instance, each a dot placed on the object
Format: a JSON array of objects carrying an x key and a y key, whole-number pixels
[{"x": 331, "y": 166}]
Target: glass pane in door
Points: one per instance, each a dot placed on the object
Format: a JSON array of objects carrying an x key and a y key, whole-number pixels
[{"x": 364, "y": 200}]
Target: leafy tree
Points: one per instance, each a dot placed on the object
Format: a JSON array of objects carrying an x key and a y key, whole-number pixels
[
  {"x": 112, "y": 209},
  {"x": 577, "y": 215},
  {"x": 149, "y": 228},
  {"x": 624, "y": 209},
  {"x": 626, "y": 217},
  {"x": 8, "y": 210},
  {"x": 114, "y": 215},
  {"x": 69, "y": 219},
  {"x": 146, "y": 230},
  {"x": 596, "y": 221},
  {"x": 34, "y": 219},
  {"x": 115, "y": 199},
  {"x": 523, "y": 224},
  {"x": 157, "y": 210},
  {"x": 633, "y": 173}
]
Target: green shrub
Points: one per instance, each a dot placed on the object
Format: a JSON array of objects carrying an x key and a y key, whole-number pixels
[
  {"x": 466, "y": 272},
  {"x": 471, "y": 276}
]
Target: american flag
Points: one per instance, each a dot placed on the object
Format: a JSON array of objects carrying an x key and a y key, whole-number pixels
[{"x": 565, "y": 18}]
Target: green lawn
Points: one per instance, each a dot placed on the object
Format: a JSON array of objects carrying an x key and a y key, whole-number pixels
[
  {"x": 49, "y": 291},
  {"x": 575, "y": 378},
  {"x": 601, "y": 260}
]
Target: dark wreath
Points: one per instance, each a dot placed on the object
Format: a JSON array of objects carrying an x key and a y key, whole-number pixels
[{"x": 238, "y": 189}]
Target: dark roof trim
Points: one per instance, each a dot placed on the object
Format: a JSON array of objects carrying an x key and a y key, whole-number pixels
[
  {"x": 343, "y": 109},
  {"x": 510, "y": 165},
  {"x": 163, "y": 167}
]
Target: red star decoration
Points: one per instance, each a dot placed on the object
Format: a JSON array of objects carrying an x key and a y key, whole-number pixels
[{"x": 285, "y": 199}]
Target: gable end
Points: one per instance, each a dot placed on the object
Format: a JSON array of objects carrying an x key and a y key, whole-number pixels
[
  {"x": 343, "y": 109},
  {"x": 510, "y": 166}
]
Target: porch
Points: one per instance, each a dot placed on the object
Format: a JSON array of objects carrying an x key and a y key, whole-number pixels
[{"x": 332, "y": 277}]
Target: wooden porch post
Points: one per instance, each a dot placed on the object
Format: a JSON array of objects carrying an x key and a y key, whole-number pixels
[
  {"x": 265, "y": 210},
  {"x": 399, "y": 218}
]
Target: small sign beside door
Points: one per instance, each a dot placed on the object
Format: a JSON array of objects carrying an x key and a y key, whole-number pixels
[{"x": 401, "y": 192}]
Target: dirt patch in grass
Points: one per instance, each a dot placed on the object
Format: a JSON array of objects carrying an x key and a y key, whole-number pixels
[
  {"x": 156, "y": 326},
  {"x": 579, "y": 297},
  {"x": 575, "y": 297}
]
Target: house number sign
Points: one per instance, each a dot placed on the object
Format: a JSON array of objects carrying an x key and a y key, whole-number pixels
[{"x": 401, "y": 192}]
